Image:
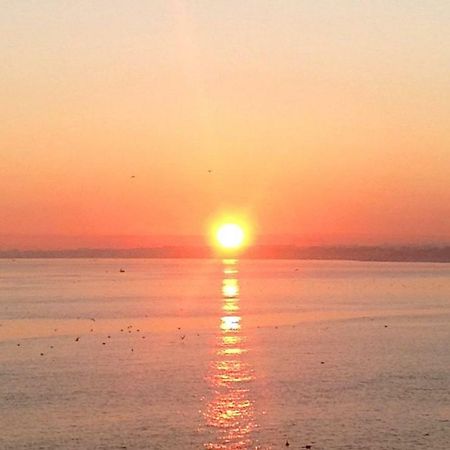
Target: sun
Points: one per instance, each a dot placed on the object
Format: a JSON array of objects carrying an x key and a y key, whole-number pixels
[{"x": 230, "y": 236}]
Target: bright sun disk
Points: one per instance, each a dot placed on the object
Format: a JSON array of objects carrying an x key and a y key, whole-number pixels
[{"x": 230, "y": 236}]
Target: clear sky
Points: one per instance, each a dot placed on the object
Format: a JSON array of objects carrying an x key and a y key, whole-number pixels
[{"x": 319, "y": 121}]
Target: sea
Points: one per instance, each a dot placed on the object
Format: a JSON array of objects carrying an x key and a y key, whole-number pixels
[{"x": 224, "y": 354}]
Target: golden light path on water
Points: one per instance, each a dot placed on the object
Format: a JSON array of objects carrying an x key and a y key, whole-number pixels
[{"x": 230, "y": 412}]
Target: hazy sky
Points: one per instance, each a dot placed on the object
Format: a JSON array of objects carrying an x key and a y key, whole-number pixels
[{"x": 320, "y": 120}]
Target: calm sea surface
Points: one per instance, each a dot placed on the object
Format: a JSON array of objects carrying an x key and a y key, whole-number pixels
[{"x": 199, "y": 354}]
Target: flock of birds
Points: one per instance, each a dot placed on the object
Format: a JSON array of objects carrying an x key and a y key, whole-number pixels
[{"x": 129, "y": 329}]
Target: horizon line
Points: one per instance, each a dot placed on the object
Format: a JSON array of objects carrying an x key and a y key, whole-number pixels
[{"x": 399, "y": 253}]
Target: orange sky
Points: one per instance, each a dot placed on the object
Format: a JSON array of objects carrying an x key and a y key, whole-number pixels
[{"x": 320, "y": 121}]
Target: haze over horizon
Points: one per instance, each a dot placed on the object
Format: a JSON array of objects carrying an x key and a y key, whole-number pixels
[
  {"x": 139, "y": 123},
  {"x": 60, "y": 243}
]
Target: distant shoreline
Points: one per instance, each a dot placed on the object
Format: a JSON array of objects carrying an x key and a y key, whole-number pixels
[{"x": 336, "y": 253}]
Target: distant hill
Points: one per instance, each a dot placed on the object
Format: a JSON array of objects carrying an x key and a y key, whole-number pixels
[{"x": 352, "y": 253}]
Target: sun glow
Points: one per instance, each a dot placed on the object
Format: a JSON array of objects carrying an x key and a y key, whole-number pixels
[{"x": 230, "y": 236}]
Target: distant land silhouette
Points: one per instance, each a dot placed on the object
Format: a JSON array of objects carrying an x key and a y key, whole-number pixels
[{"x": 351, "y": 253}]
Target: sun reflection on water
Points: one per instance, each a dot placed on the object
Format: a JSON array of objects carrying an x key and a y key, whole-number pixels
[
  {"x": 230, "y": 288},
  {"x": 231, "y": 411}
]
